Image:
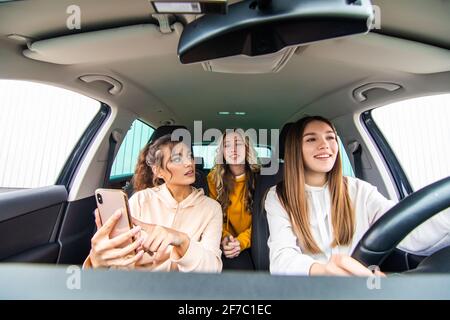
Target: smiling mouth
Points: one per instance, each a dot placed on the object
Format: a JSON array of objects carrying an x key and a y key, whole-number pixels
[
  {"x": 323, "y": 156},
  {"x": 189, "y": 173}
]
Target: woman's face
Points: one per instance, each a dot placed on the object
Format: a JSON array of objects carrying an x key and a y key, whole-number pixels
[
  {"x": 234, "y": 149},
  {"x": 319, "y": 147},
  {"x": 179, "y": 165}
]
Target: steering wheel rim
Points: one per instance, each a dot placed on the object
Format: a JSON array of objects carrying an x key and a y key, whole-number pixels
[{"x": 388, "y": 231}]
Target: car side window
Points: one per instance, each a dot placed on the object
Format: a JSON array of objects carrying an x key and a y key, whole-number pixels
[
  {"x": 126, "y": 159},
  {"x": 40, "y": 126},
  {"x": 347, "y": 168},
  {"x": 418, "y": 133}
]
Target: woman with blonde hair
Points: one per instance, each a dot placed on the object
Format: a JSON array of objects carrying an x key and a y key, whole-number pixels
[
  {"x": 232, "y": 182},
  {"x": 317, "y": 216}
]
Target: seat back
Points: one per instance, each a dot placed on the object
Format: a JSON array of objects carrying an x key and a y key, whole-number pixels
[
  {"x": 260, "y": 227},
  {"x": 201, "y": 175},
  {"x": 163, "y": 130}
]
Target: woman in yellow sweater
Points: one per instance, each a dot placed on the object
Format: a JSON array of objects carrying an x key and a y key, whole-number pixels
[{"x": 231, "y": 182}]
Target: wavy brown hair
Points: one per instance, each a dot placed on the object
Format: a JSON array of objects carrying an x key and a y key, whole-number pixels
[
  {"x": 292, "y": 194},
  {"x": 224, "y": 179},
  {"x": 151, "y": 155}
]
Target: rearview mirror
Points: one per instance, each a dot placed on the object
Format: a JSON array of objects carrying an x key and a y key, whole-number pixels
[{"x": 257, "y": 27}]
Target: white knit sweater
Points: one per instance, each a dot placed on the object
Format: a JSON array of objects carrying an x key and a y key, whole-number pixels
[{"x": 286, "y": 256}]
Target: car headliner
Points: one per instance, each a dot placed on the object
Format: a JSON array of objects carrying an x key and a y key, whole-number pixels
[{"x": 411, "y": 49}]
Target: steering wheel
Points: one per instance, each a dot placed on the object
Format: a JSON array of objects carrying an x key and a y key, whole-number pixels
[{"x": 388, "y": 231}]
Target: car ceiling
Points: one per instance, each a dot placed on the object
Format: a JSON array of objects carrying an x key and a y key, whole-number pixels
[{"x": 159, "y": 87}]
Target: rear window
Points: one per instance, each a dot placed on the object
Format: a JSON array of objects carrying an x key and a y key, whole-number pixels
[{"x": 208, "y": 153}]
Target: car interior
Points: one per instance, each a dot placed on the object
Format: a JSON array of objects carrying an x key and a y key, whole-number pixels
[{"x": 127, "y": 57}]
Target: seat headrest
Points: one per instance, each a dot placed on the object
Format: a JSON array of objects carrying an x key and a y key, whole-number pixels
[
  {"x": 264, "y": 161},
  {"x": 199, "y": 163},
  {"x": 163, "y": 130}
]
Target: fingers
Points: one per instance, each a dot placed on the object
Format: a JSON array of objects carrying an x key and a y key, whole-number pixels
[
  {"x": 378, "y": 273},
  {"x": 108, "y": 226},
  {"x": 148, "y": 227},
  {"x": 232, "y": 248},
  {"x": 122, "y": 238},
  {"x": 231, "y": 253},
  {"x": 236, "y": 251},
  {"x": 351, "y": 266},
  {"x": 123, "y": 252},
  {"x": 149, "y": 240},
  {"x": 137, "y": 222},
  {"x": 143, "y": 235},
  {"x": 126, "y": 262},
  {"x": 145, "y": 260},
  {"x": 334, "y": 270},
  {"x": 156, "y": 238},
  {"x": 228, "y": 247},
  {"x": 224, "y": 241},
  {"x": 98, "y": 221},
  {"x": 156, "y": 243},
  {"x": 162, "y": 249},
  {"x": 355, "y": 268},
  {"x": 235, "y": 255},
  {"x": 232, "y": 256},
  {"x": 231, "y": 245},
  {"x": 228, "y": 253},
  {"x": 234, "y": 243}
]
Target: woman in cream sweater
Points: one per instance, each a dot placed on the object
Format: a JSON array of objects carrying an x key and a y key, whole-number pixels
[{"x": 177, "y": 227}]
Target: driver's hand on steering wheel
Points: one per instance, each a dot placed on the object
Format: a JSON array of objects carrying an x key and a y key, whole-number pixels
[{"x": 342, "y": 265}]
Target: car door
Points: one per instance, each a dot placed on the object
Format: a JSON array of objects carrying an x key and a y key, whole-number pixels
[
  {"x": 44, "y": 132},
  {"x": 412, "y": 135}
]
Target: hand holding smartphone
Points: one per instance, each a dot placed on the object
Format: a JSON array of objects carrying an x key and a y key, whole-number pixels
[{"x": 108, "y": 202}]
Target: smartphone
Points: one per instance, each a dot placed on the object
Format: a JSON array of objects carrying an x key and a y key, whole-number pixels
[{"x": 108, "y": 202}]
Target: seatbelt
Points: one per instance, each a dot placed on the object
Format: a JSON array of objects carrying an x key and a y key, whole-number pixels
[
  {"x": 113, "y": 138},
  {"x": 357, "y": 159}
]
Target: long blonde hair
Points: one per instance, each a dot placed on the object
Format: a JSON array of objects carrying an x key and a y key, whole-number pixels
[
  {"x": 292, "y": 194},
  {"x": 224, "y": 179}
]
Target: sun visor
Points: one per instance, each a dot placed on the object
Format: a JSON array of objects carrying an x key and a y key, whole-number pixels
[
  {"x": 378, "y": 51},
  {"x": 131, "y": 42}
]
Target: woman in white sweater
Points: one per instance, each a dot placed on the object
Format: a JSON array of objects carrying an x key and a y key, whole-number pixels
[{"x": 316, "y": 216}]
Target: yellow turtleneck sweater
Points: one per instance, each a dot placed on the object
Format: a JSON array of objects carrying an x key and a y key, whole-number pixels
[{"x": 238, "y": 222}]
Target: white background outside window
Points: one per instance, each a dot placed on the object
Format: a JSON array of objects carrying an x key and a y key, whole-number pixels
[
  {"x": 418, "y": 131},
  {"x": 39, "y": 127}
]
